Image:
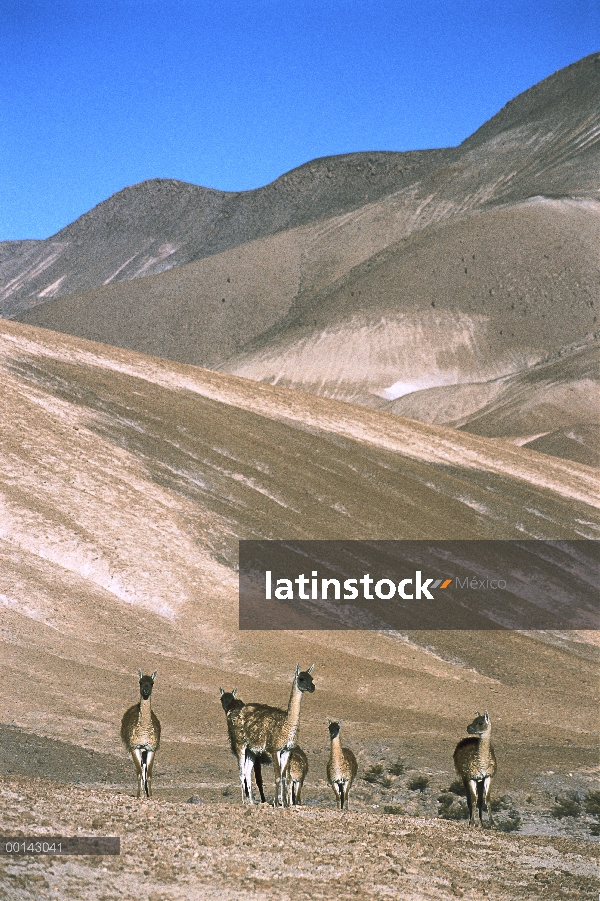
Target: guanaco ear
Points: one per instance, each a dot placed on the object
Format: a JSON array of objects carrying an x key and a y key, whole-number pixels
[
  {"x": 140, "y": 674},
  {"x": 487, "y": 716},
  {"x": 234, "y": 692},
  {"x": 297, "y": 670},
  {"x": 310, "y": 669},
  {"x": 477, "y": 713},
  {"x": 221, "y": 691},
  {"x": 153, "y": 676},
  {"x": 329, "y": 722}
]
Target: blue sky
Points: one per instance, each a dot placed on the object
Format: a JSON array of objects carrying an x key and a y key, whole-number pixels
[{"x": 98, "y": 95}]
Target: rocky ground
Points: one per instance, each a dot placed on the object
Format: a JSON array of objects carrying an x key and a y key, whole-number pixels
[{"x": 404, "y": 837}]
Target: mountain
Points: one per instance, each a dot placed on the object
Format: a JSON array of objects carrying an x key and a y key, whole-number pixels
[
  {"x": 543, "y": 142},
  {"x": 161, "y": 224},
  {"x": 367, "y": 277}
]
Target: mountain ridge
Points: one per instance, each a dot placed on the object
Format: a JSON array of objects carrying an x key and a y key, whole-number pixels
[
  {"x": 362, "y": 277},
  {"x": 118, "y": 240}
]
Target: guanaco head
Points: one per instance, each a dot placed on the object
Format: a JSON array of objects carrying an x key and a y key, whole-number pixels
[
  {"x": 227, "y": 698},
  {"x": 146, "y": 683},
  {"x": 334, "y": 728},
  {"x": 304, "y": 679},
  {"x": 480, "y": 724}
]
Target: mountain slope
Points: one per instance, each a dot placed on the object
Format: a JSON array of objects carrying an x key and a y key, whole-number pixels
[
  {"x": 161, "y": 224},
  {"x": 125, "y": 484},
  {"x": 460, "y": 267},
  {"x": 545, "y": 142}
]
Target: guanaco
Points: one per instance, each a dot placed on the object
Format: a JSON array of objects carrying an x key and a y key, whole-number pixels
[
  {"x": 140, "y": 733},
  {"x": 475, "y": 763},
  {"x": 341, "y": 766},
  {"x": 273, "y": 731},
  {"x": 294, "y": 776},
  {"x": 232, "y": 705}
]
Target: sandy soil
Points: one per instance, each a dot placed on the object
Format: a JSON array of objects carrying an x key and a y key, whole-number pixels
[{"x": 214, "y": 850}]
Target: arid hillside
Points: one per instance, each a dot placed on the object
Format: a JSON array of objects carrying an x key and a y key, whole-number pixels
[
  {"x": 125, "y": 484},
  {"x": 543, "y": 143},
  {"x": 376, "y": 278},
  {"x": 160, "y": 224}
]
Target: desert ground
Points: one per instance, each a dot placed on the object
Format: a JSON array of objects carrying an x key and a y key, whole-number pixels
[
  {"x": 379, "y": 346},
  {"x": 176, "y": 850}
]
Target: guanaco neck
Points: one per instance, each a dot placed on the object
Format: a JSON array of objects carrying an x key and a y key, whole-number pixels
[
  {"x": 336, "y": 748},
  {"x": 483, "y": 748},
  {"x": 145, "y": 717},
  {"x": 293, "y": 711}
]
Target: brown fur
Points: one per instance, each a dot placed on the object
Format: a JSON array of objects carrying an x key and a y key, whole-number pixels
[
  {"x": 294, "y": 776},
  {"x": 274, "y": 731},
  {"x": 341, "y": 767},
  {"x": 232, "y": 706},
  {"x": 140, "y": 733},
  {"x": 475, "y": 763}
]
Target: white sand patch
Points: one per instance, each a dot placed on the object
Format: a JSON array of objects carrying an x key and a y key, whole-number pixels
[
  {"x": 388, "y": 356},
  {"x": 120, "y": 269},
  {"x": 520, "y": 440},
  {"x": 50, "y": 541},
  {"x": 476, "y": 505},
  {"x": 77, "y": 502},
  {"x": 25, "y": 609},
  {"x": 33, "y": 271},
  {"x": 166, "y": 250},
  {"x": 400, "y": 389},
  {"x": 52, "y": 290}
]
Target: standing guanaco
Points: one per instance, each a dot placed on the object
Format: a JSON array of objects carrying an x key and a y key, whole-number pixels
[
  {"x": 140, "y": 733},
  {"x": 341, "y": 766},
  {"x": 475, "y": 763}
]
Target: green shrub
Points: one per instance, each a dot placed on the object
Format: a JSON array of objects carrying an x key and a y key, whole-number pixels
[
  {"x": 457, "y": 787},
  {"x": 592, "y": 804},
  {"x": 450, "y": 808},
  {"x": 376, "y": 776},
  {"x": 512, "y": 823},
  {"x": 567, "y": 806},
  {"x": 397, "y": 768},
  {"x": 418, "y": 784}
]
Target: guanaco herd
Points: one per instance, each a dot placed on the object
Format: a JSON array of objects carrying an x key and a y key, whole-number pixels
[{"x": 261, "y": 734}]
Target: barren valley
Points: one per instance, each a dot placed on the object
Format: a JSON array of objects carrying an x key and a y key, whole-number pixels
[{"x": 376, "y": 346}]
